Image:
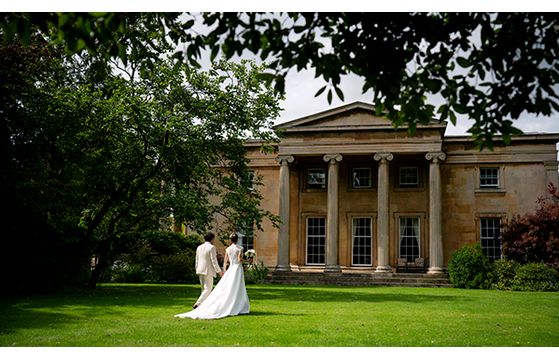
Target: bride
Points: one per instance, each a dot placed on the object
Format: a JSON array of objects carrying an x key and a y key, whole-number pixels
[{"x": 229, "y": 297}]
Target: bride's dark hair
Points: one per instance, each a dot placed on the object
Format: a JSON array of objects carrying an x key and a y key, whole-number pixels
[{"x": 234, "y": 238}]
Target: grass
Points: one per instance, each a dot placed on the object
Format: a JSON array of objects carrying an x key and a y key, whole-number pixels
[{"x": 303, "y": 316}]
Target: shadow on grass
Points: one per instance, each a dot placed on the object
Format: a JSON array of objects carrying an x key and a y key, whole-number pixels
[
  {"x": 272, "y": 313},
  {"x": 342, "y": 295},
  {"x": 119, "y": 301}
]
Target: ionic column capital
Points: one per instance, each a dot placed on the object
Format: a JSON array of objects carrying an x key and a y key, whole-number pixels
[
  {"x": 332, "y": 158},
  {"x": 285, "y": 159},
  {"x": 435, "y": 156},
  {"x": 383, "y": 157}
]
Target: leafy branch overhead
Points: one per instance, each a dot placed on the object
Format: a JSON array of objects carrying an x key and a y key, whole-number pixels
[{"x": 491, "y": 68}]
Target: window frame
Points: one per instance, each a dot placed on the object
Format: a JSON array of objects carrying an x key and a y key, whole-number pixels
[
  {"x": 416, "y": 185},
  {"x": 489, "y": 186},
  {"x": 490, "y": 190},
  {"x": 312, "y": 187},
  {"x": 371, "y": 239},
  {"x": 486, "y": 249},
  {"x": 307, "y": 218},
  {"x": 352, "y": 177},
  {"x": 247, "y": 232},
  {"x": 419, "y": 235},
  {"x": 251, "y": 174}
]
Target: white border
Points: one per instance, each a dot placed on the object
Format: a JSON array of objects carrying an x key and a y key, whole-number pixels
[{"x": 284, "y": 5}]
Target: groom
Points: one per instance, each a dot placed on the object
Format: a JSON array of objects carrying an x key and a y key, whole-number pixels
[{"x": 206, "y": 267}]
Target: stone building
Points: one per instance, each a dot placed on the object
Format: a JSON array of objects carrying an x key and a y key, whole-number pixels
[{"x": 356, "y": 195}]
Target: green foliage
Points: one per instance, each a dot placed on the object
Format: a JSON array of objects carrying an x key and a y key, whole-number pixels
[
  {"x": 470, "y": 72},
  {"x": 469, "y": 268},
  {"x": 463, "y": 58},
  {"x": 155, "y": 256},
  {"x": 88, "y": 155},
  {"x": 503, "y": 274},
  {"x": 256, "y": 273},
  {"x": 161, "y": 242},
  {"x": 536, "y": 277},
  {"x": 123, "y": 272},
  {"x": 175, "y": 268}
]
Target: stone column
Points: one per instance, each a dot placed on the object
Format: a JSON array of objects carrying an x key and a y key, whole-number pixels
[
  {"x": 332, "y": 217},
  {"x": 435, "y": 213},
  {"x": 283, "y": 234},
  {"x": 383, "y": 211}
]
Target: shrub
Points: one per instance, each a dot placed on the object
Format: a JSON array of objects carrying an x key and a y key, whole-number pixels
[
  {"x": 469, "y": 268},
  {"x": 256, "y": 273},
  {"x": 123, "y": 272},
  {"x": 536, "y": 277},
  {"x": 533, "y": 238},
  {"x": 503, "y": 274},
  {"x": 160, "y": 242},
  {"x": 175, "y": 268},
  {"x": 155, "y": 256}
]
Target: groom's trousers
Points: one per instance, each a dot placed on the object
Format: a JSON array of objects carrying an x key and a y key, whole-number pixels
[{"x": 207, "y": 282}]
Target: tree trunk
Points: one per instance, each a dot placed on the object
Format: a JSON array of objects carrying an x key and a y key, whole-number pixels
[{"x": 102, "y": 264}]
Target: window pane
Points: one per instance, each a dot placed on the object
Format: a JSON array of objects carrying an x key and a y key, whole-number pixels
[
  {"x": 251, "y": 177},
  {"x": 316, "y": 178},
  {"x": 489, "y": 177},
  {"x": 246, "y": 237},
  {"x": 409, "y": 177},
  {"x": 490, "y": 236},
  {"x": 362, "y": 177},
  {"x": 409, "y": 238},
  {"x": 316, "y": 240},
  {"x": 362, "y": 241}
]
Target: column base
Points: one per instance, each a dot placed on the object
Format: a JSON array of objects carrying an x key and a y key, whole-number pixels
[
  {"x": 283, "y": 268},
  {"x": 435, "y": 270},
  {"x": 383, "y": 269},
  {"x": 333, "y": 269}
]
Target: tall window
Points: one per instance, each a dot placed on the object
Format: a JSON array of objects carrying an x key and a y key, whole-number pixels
[
  {"x": 408, "y": 176},
  {"x": 316, "y": 240},
  {"x": 362, "y": 177},
  {"x": 362, "y": 241},
  {"x": 490, "y": 236},
  {"x": 251, "y": 179},
  {"x": 489, "y": 177},
  {"x": 409, "y": 238},
  {"x": 316, "y": 178},
  {"x": 246, "y": 237}
]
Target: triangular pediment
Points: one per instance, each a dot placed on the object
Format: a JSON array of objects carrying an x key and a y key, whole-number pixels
[{"x": 354, "y": 116}]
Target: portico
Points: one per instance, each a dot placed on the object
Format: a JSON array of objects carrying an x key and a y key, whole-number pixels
[
  {"x": 357, "y": 198},
  {"x": 333, "y": 215}
]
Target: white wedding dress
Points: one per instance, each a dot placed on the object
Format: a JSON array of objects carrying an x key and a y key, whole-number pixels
[{"x": 229, "y": 297}]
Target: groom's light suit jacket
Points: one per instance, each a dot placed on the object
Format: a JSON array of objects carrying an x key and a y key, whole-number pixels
[{"x": 206, "y": 260}]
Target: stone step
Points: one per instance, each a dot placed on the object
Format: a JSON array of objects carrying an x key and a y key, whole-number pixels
[{"x": 359, "y": 279}]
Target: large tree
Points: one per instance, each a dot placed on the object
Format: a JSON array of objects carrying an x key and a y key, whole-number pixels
[
  {"x": 491, "y": 67},
  {"x": 89, "y": 154}
]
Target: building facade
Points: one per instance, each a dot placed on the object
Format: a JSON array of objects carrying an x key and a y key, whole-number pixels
[{"x": 356, "y": 195}]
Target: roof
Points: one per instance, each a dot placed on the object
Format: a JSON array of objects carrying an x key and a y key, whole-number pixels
[{"x": 354, "y": 116}]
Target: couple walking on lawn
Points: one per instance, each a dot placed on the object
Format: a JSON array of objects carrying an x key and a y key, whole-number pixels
[{"x": 229, "y": 296}]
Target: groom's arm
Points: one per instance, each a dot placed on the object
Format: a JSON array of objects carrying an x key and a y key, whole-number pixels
[{"x": 213, "y": 257}]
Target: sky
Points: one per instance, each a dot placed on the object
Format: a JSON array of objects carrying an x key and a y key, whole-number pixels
[{"x": 300, "y": 101}]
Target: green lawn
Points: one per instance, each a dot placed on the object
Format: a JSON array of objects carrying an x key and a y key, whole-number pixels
[{"x": 142, "y": 315}]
